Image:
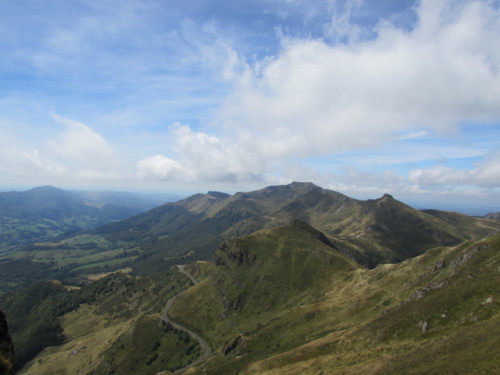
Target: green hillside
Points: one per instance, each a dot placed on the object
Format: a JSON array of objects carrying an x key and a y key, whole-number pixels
[
  {"x": 90, "y": 319},
  {"x": 284, "y": 300},
  {"x": 269, "y": 313}
]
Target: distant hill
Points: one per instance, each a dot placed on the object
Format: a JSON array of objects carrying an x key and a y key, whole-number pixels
[
  {"x": 140, "y": 202},
  {"x": 40, "y": 213},
  {"x": 52, "y": 203},
  {"x": 492, "y": 216}
]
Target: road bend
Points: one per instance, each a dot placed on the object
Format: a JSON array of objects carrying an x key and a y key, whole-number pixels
[{"x": 164, "y": 316}]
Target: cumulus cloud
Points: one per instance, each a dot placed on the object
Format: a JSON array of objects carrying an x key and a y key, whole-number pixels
[
  {"x": 27, "y": 163},
  {"x": 203, "y": 158},
  {"x": 80, "y": 145},
  {"x": 485, "y": 174},
  {"x": 362, "y": 91},
  {"x": 317, "y": 98},
  {"x": 161, "y": 168},
  {"x": 77, "y": 153}
]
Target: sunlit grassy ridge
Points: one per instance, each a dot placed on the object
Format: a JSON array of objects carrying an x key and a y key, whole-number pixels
[{"x": 278, "y": 302}]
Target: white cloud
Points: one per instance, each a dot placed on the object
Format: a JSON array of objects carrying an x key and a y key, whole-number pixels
[
  {"x": 203, "y": 158},
  {"x": 319, "y": 99},
  {"x": 26, "y": 164},
  {"x": 315, "y": 98},
  {"x": 485, "y": 174},
  {"x": 20, "y": 160},
  {"x": 75, "y": 154},
  {"x": 82, "y": 147},
  {"x": 161, "y": 168}
]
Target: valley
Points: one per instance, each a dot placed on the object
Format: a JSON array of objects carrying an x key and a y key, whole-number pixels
[
  {"x": 283, "y": 280},
  {"x": 46, "y": 212},
  {"x": 44, "y": 232}
]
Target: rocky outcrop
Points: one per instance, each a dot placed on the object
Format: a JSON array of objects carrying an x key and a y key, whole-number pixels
[
  {"x": 6, "y": 348},
  {"x": 235, "y": 346}
]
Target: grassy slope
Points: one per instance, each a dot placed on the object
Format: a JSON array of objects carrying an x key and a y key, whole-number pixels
[
  {"x": 114, "y": 317},
  {"x": 287, "y": 312},
  {"x": 71, "y": 258},
  {"x": 147, "y": 348},
  {"x": 257, "y": 283},
  {"x": 461, "y": 319},
  {"x": 284, "y": 301}
]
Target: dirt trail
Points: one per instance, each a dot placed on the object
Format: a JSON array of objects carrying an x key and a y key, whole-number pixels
[{"x": 164, "y": 316}]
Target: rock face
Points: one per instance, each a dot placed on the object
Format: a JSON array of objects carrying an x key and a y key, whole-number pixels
[
  {"x": 6, "y": 348},
  {"x": 239, "y": 342}
]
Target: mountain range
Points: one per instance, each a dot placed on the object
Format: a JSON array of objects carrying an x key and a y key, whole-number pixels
[
  {"x": 370, "y": 232},
  {"x": 289, "y": 279}
]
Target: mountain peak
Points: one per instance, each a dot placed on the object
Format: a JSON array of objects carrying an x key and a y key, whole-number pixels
[
  {"x": 46, "y": 188},
  {"x": 298, "y": 184},
  {"x": 218, "y": 194}
]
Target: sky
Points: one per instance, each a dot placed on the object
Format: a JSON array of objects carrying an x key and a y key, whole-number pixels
[{"x": 362, "y": 97}]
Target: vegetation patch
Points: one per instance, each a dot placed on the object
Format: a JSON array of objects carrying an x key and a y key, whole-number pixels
[{"x": 150, "y": 346}]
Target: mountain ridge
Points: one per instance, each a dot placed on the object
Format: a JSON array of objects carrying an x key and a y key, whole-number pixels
[
  {"x": 291, "y": 279},
  {"x": 370, "y": 232},
  {"x": 373, "y": 230}
]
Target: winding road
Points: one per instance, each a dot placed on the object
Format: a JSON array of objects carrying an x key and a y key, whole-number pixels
[{"x": 164, "y": 316}]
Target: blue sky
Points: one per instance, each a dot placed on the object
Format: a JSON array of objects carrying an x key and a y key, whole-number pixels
[{"x": 358, "y": 96}]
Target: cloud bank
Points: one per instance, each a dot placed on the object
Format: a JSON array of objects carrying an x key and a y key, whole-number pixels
[{"x": 316, "y": 98}]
